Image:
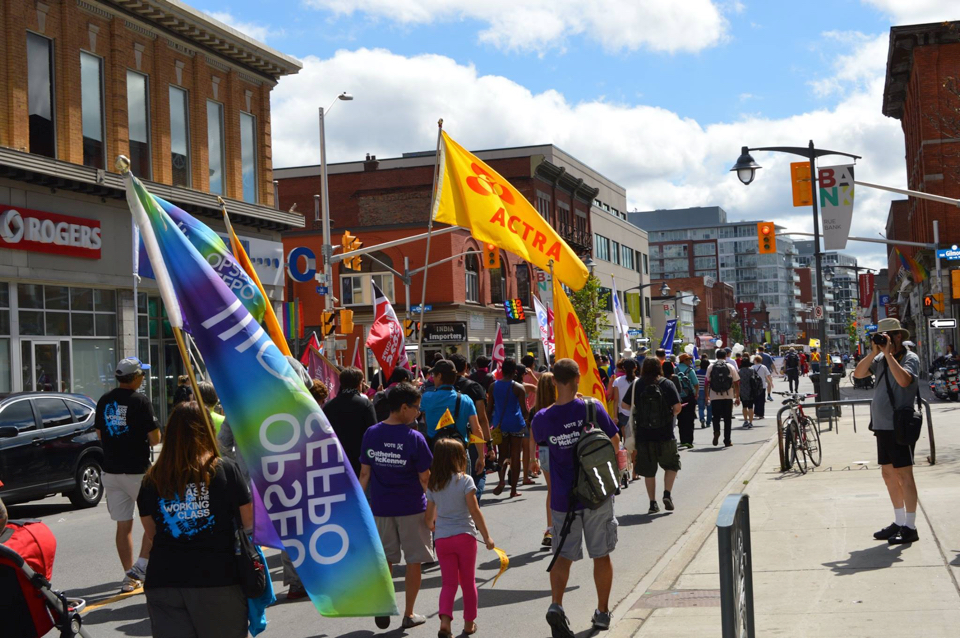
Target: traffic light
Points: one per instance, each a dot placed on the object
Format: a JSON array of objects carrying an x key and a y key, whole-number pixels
[
  {"x": 938, "y": 301},
  {"x": 802, "y": 184},
  {"x": 350, "y": 243},
  {"x": 328, "y": 323},
  {"x": 766, "y": 237},
  {"x": 491, "y": 256},
  {"x": 346, "y": 322},
  {"x": 928, "y": 302},
  {"x": 411, "y": 328},
  {"x": 955, "y": 283}
]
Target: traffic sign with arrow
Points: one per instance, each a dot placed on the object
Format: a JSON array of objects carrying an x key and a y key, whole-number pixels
[{"x": 942, "y": 324}]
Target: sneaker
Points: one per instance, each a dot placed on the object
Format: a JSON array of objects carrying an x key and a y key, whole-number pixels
[
  {"x": 382, "y": 622},
  {"x": 136, "y": 573},
  {"x": 887, "y": 532},
  {"x": 906, "y": 535},
  {"x": 413, "y": 621},
  {"x": 654, "y": 508},
  {"x": 601, "y": 620},
  {"x": 130, "y": 584},
  {"x": 547, "y": 539},
  {"x": 559, "y": 625},
  {"x": 668, "y": 502},
  {"x": 727, "y": 444}
]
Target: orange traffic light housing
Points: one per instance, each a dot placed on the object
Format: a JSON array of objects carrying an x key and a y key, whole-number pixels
[
  {"x": 346, "y": 322},
  {"x": 491, "y": 256},
  {"x": 767, "y": 238},
  {"x": 955, "y": 283},
  {"x": 328, "y": 323},
  {"x": 349, "y": 243},
  {"x": 802, "y": 184}
]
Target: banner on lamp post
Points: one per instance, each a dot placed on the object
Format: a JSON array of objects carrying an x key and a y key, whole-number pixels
[
  {"x": 836, "y": 204},
  {"x": 866, "y": 289}
]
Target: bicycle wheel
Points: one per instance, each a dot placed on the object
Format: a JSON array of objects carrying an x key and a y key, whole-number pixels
[
  {"x": 799, "y": 447},
  {"x": 789, "y": 444},
  {"x": 811, "y": 431}
]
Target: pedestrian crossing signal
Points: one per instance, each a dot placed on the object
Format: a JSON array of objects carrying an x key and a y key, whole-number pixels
[
  {"x": 491, "y": 256},
  {"x": 767, "y": 238},
  {"x": 411, "y": 328},
  {"x": 328, "y": 323},
  {"x": 928, "y": 303}
]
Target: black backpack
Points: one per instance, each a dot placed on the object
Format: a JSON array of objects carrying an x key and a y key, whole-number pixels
[
  {"x": 791, "y": 361},
  {"x": 751, "y": 384},
  {"x": 652, "y": 411},
  {"x": 720, "y": 378}
]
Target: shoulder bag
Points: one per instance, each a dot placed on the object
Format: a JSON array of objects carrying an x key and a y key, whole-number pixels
[{"x": 907, "y": 422}]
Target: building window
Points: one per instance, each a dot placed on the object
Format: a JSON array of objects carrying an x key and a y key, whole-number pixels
[
  {"x": 91, "y": 97},
  {"x": 606, "y": 292},
  {"x": 138, "y": 124},
  {"x": 563, "y": 210},
  {"x": 601, "y": 247},
  {"x": 215, "y": 146},
  {"x": 646, "y": 304},
  {"x": 704, "y": 249},
  {"x": 498, "y": 282},
  {"x": 248, "y": 156},
  {"x": 180, "y": 136},
  {"x": 523, "y": 284},
  {"x": 646, "y": 264},
  {"x": 472, "y": 268},
  {"x": 627, "y": 260},
  {"x": 43, "y": 138},
  {"x": 355, "y": 290},
  {"x": 615, "y": 252}
]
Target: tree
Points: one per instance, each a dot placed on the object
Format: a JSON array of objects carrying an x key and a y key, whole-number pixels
[
  {"x": 736, "y": 334},
  {"x": 852, "y": 331},
  {"x": 650, "y": 333},
  {"x": 590, "y": 304}
]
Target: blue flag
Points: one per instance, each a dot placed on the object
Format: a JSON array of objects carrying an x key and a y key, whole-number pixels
[{"x": 668, "y": 334}]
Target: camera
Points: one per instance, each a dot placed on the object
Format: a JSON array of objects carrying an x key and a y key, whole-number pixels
[{"x": 880, "y": 339}]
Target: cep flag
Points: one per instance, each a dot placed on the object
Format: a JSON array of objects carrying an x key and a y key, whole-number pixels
[
  {"x": 472, "y": 195},
  {"x": 386, "y": 335}
]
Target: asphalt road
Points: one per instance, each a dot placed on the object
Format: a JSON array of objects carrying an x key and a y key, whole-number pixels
[{"x": 87, "y": 565}]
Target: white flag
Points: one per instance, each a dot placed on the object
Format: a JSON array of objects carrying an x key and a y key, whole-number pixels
[
  {"x": 620, "y": 319},
  {"x": 543, "y": 321}
]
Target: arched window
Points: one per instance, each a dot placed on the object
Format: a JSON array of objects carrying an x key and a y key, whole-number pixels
[
  {"x": 472, "y": 270},
  {"x": 498, "y": 282},
  {"x": 523, "y": 284}
]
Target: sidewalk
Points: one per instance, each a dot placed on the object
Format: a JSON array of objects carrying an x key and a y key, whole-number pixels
[{"x": 817, "y": 571}]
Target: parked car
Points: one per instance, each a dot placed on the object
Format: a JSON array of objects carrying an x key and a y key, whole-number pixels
[{"x": 48, "y": 445}]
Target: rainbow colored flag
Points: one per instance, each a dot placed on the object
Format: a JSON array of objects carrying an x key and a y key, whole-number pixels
[
  {"x": 293, "y": 320},
  {"x": 308, "y": 489},
  {"x": 918, "y": 272}
]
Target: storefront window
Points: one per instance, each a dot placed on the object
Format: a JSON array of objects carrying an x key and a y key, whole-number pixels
[
  {"x": 94, "y": 362},
  {"x": 5, "y": 380}
]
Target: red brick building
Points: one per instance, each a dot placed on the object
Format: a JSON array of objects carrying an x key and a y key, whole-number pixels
[
  {"x": 380, "y": 200},
  {"x": 716, "y": 299}
]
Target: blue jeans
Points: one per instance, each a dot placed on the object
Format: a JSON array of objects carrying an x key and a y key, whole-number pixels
[
  {"x": 480, "y": 480},
  {"x": 703, "y": 407}
]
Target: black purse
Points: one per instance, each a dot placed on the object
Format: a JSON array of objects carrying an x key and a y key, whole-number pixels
[
  {"x": 250, "y": 567},
  {"x": 907, "y": 422}
]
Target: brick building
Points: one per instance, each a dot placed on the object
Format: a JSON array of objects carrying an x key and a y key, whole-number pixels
[
  {"x": 922, "y": 90},
  {"x": 187, "y": 99},
  {"x": 379, "y": 200},
  {"x": 711, "y": 318}
]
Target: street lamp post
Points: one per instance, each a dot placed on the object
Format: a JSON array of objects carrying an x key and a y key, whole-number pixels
[
  {"x": 746, "y": 169},
  {"x": 327, "y": 249}
]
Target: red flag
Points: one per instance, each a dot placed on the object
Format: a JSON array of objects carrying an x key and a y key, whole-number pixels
[
  {"x": 386, "y": 335},
  {"x": 313, "y": 344},
  {"x": 498, "y": 350},
  {"x": 553, "y": 345},
  {"x": 357, "y": 359}
]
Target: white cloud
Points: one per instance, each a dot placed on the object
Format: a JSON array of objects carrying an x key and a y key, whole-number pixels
[
  {"x": 854, "y": 71},
  {"x": 542, "y": 25},
  {"x": 664, "y": 160},
  {"x": 916, "y": 11},
  {"x": 259, "y": 32}
]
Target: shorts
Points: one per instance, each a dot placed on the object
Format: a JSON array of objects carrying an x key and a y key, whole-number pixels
[
  {"x": 186, "y": 611},
  {"x": 597, "y": 527},
  {"x": 650, "y": 454},
  {"x": 407, "y": 533},
  {"x": 122, "y": 491},
  {"x": 522, "y": 433},
  {"x": 622, "y": 421},
  {"x": 746, "y": 404},
  {"x": 890, "y": 452},
  {"x": 544, "y": 453}
]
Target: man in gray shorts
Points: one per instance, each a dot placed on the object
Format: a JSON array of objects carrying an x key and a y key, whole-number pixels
[{"x": 560, "y": 426}]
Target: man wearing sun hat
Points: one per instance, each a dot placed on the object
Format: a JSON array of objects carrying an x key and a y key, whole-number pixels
[
  {"x": 127, "y": 429},
  {"x": 897, "y": 370}
]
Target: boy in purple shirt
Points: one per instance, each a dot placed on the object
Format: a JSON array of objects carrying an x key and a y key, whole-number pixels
[
  {"x": 561, "y": 425},
  {"x": 395, "y": 465}
]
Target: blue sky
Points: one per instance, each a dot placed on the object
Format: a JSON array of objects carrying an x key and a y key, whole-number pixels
[{"x": 658, "y": 96}]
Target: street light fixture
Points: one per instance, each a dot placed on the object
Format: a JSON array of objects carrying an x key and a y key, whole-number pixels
[{"x": 746, "y": 167}]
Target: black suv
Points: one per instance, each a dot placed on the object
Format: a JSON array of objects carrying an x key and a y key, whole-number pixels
[{"x": 48, "y": 445}]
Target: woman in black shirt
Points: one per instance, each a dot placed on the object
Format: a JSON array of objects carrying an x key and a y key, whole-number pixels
[{"x": 188, "y": 505}]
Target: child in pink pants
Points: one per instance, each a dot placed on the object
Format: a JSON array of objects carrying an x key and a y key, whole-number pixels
[{"x": 453, "y": 515}]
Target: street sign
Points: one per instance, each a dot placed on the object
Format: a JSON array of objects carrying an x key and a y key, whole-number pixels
[
  {"x": 870, "y": 328},
  {"x": 633, "y": 332},
  {"x": 341, "y": 344},
  {"x": 942, "y": 324},
  {"x": 323, "y": 290},
  {"x": 818, "y": 312},
  {"x": 950, "y": 254},
  {"x": 416, "y": 309},
  {"x": 884, "y": 300}
]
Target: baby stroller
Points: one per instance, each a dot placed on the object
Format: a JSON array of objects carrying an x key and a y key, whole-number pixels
[{"x": 32, "y": 607}]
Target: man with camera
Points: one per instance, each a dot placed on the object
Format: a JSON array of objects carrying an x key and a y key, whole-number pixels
[{"x": 894, "y": 423}]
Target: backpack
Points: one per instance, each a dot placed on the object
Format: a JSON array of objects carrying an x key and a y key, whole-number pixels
[
  {"x": 751, "y": 384},
  {"x": 652, "y": 412},
  {"x": 685, "y": 385},
  {"x": 596, "y": 460},
  {"x": 449, "y": 431},
  {"x": 720, "y": 378},
  {"x": 791, "y": 361}
]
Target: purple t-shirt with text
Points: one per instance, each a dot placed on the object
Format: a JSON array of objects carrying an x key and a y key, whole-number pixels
[
  {"x": 396, "y": 454},
  {"x": 561, "y": 426}
]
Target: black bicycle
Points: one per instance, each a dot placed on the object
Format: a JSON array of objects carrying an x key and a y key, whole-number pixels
[{"x": 801, "y": 434}]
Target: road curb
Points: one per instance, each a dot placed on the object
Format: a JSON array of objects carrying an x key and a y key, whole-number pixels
[{"x": 626, "y": 621}]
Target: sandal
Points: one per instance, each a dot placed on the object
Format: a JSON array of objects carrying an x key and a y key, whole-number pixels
[{"x": 470, "y": 632}]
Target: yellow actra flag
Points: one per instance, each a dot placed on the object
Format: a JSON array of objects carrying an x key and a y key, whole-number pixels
[
  {"x": 572, "y": 343},
  {"x": 472, "y": 195}
]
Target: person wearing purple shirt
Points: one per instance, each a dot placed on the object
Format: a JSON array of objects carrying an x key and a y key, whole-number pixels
[
  {"x": 395, "y": 466},
  {"x": 560, "y": 426}
]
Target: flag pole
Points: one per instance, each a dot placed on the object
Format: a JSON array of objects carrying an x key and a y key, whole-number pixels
[
  {"x": 185, "y": 356},
  {"x": 616, "y": 320},
  {"x": 426, "y": 259}
]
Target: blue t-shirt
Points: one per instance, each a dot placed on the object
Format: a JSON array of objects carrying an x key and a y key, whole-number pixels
[
  {"x": 396, "y": 454},
  {"x": 435, "y": 404},
  {"x": 560, "y": 426},
  {"x": 507, "y": 412}
]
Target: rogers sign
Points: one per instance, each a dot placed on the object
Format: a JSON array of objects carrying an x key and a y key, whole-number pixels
[{"x": 42, "y": 232}]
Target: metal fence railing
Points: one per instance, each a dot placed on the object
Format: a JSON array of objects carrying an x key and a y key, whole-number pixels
[{"x": 853, "y": 403}]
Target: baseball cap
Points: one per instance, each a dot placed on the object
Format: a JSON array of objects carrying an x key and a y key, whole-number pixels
[{"x": 131, "y": 365}]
